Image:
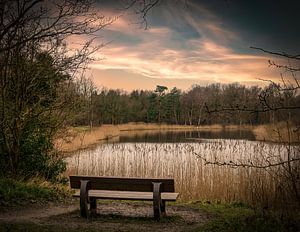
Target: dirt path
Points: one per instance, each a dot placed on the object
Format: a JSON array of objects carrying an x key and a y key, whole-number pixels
[
  {"x": 111, "y": 216},
  {"x": 35, "y": 213}
]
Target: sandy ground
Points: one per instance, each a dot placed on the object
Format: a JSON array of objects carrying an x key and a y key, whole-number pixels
[{"x": 111, "y": 216}]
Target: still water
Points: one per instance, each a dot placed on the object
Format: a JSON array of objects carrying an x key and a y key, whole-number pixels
[
  {"x": 182, "y": 136},
  {"x": 181, "y": 155}
]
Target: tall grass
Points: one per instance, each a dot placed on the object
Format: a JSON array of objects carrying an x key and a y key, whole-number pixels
[
  {"x": 83, "y": 137},
  {"x": 194, "y": 180},
  {"x": 278, "y": 132}
]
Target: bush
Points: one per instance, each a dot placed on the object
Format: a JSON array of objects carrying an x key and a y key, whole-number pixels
[{"x": 38, "y": 155}]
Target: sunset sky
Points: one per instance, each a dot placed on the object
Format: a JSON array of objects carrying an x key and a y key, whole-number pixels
[{"x": 195, "y": 42}]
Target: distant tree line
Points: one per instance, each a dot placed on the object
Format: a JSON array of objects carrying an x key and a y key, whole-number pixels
[{"x": 201, "y": 105}]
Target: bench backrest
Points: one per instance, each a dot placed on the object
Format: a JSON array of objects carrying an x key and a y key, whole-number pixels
[{"x": 122, "y": 184}]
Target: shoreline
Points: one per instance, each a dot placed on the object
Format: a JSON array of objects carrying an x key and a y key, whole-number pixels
[{"x": 78, "y": 138}]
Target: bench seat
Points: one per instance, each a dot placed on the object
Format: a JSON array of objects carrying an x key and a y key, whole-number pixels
[
  {"x": 157, "y": 190},
  {"x": 127, "y": 195}
]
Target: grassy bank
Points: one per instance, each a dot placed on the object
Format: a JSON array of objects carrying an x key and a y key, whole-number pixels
[
  {"x": 239, "y": 217},
  {"x": 19, "y": 192},
  {"x": 83, "y": 137}
]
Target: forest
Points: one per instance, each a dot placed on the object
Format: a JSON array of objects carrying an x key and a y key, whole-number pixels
[{"x": 200, "y": 105}]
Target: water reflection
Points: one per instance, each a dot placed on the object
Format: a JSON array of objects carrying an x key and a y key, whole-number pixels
[{"x": 183, "y": 136}]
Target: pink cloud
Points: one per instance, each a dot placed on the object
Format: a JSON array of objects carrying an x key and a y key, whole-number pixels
[{"x": 206, "y": 59}]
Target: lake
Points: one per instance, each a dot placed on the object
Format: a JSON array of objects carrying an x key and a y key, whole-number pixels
[{"x": 181, "y": 155}]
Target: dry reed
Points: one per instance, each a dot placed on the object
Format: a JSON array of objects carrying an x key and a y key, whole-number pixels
[
  {"x": 278, "y": 132},
  {"x": 194, "y": 180},
  {"x": 75, "y": 140}
]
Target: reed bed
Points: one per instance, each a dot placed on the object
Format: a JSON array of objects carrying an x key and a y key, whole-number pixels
[
  {"x": 194, "y": 180},
  {"x": 80, "y": 138},
  {"x": 154, "y": 126},
  {"x": 279, "y": 132}
]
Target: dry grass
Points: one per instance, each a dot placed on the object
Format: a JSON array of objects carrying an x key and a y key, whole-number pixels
[
  {"x": 154, "y": 126},
  {"x": 194, "y": 180},
  {"x": 279, "y": 132},
  {"x": 80, "y": 138}
]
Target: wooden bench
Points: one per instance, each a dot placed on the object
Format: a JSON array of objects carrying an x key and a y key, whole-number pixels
[{"x": 96, "y": 187}]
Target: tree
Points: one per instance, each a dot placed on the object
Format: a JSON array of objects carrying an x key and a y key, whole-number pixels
[
  {"x": 35, "y": 64},
  {"x": 160, "y": 90},
  {"x": 174, "y": 101}
]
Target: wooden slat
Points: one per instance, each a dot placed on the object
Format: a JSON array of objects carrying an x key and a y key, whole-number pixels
[
  {"x": 123, "y": 184},
  {"x": 127, "y": 195}
]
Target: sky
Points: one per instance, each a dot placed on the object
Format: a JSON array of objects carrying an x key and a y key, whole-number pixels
[{"x": 195, "y": 42}]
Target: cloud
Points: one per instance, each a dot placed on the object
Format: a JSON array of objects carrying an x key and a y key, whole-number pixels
[{"x": 191, "y": 46}]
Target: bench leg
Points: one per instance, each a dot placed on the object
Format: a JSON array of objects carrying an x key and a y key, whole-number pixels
[
  {"x": 156, "y": 209},
  {"x": 84, "y": 189},
  {"x": 163, "y": 208},
  {"x": 157, "y": 200},
  {"x": 93, "y": 206}
]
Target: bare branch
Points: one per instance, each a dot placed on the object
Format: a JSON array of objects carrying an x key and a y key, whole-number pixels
[
  {"x": 246, "y": 165},
  {"x": 296, "y": 57}
]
